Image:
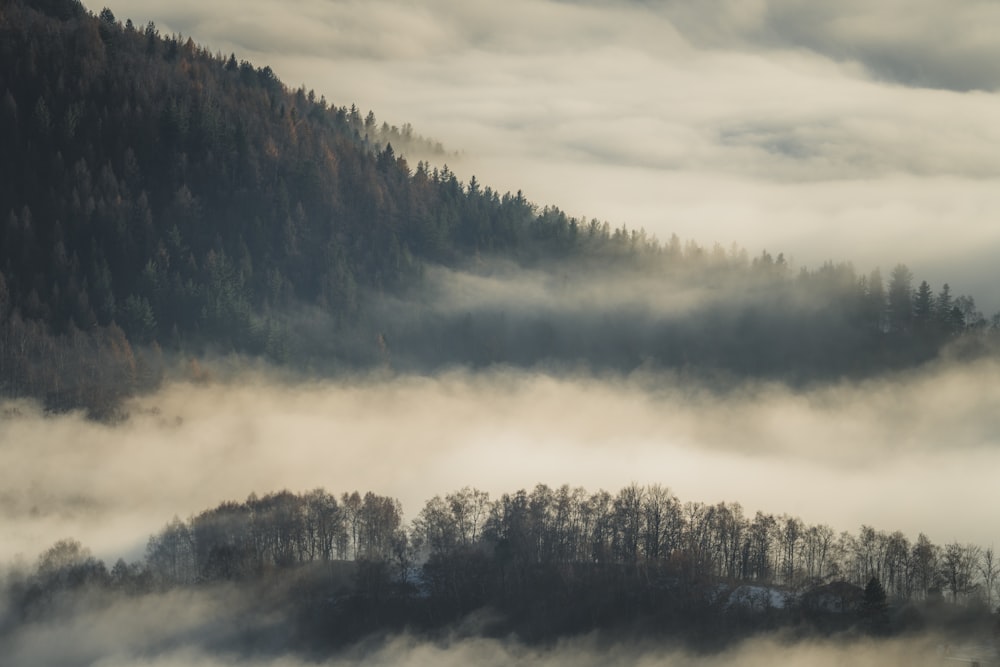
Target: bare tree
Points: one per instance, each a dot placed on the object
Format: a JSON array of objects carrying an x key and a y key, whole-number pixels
[
  {"x": 436, "y": 527},
  {"x": 989, "y": 568},
  {"x": 661, "y": 525},
  {"x": 170, "y": 555},
  {"x": 380, "y": 517},
  {"x": 959, "y": 564},
  {"x": 817, "y": 543},
  {"x": 469, "y": 507},
  {"x": 790, "y": 530},
  {"x": 628, "y": 517},
  {"x": 351, "y": 504},
  {"x": 924, "y": 565}
]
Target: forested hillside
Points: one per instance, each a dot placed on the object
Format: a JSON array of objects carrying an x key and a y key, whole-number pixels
[
  {"x": 157, "y": 197},
  {"x": 540, "y": 565}
]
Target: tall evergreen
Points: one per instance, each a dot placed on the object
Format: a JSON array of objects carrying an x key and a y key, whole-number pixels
[{"x": 875, "y": 607}]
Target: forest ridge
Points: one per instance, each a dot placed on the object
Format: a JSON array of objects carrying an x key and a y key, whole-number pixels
[
  {"x": 159, "y": 198},
  {"x": 548, "y": 563}
]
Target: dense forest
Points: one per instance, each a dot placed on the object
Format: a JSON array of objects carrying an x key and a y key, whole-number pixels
[
  {"x": 541, "y": 564},
  {"x": 160, "y": 201}
]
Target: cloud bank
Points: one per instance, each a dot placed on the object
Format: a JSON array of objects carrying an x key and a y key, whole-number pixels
[
  {"x": 916, "y": 452},
  {"x": 163, "y": 632}
]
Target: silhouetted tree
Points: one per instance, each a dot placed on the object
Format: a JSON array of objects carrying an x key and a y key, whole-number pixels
[
  {"x": 875, "y": 608},
  {"x": 900, "y": 303}
]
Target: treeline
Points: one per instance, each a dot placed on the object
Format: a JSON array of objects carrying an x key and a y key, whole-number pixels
[
  {"x": 548, "y": 562},
  {"x": 738, "y": 316},
  {"x": 189, "y": 200},
  {"x": 638, "y": 527}
]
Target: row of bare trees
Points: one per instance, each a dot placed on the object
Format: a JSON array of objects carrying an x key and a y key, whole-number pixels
[
  {"x": 640, "y": 528},
  {"x": 236, "y": 540},
  {"x": 548, "y": 562},
  {"x": 648, "y": 526}
]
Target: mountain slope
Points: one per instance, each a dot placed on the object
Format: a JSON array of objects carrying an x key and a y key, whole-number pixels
[{"x": 154, "y": 194}]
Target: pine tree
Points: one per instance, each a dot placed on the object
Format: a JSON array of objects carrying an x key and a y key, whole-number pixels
[
  {"x": 923, "y": 305},
  {"x": 942, "y": 307},
  {"x": 875, "y": 608},
  {"x": 900, "y": 313}
]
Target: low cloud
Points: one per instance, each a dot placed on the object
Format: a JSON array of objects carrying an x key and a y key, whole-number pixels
[
  {"x": 915, "y": 452},
  {"x": 205, "y": 626},
  {"x": 587, "y": 652},
  {"x": 195, "y": 630}
]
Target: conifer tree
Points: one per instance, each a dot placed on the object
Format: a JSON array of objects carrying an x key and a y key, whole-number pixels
[{"x": 875, "y": 608}]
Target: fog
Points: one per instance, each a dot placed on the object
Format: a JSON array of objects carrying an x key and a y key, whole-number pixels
[
  {"x": 826, "y": 130},
  {"x": 913, "y": 452},
  {"x": 103, "y": 630},
  {"x": 557, "y": 292},
  {"x": 198, "y": 629}
]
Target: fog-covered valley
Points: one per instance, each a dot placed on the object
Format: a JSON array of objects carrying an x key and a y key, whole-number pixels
[{"x": 279, "y": 387}]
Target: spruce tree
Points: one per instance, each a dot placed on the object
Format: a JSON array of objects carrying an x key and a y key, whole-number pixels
[{"x": 875, "y": 608}]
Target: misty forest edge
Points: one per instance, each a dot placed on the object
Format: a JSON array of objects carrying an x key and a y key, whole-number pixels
[
  {"x": 535, "y": 565},
  {"x": 164, "y": 203}
]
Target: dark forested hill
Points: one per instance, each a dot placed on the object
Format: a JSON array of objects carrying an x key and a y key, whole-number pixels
[
  {"x": 181, "y": 196},
  {"x": 154, "y": 196},
  {"x": 151, "y": 182}
]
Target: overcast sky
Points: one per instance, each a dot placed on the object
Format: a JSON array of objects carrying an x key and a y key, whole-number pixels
[{"x": 826, "y": 129}]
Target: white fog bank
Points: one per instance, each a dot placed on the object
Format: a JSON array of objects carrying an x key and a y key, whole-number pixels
[{"x": 915, "y": 452}]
